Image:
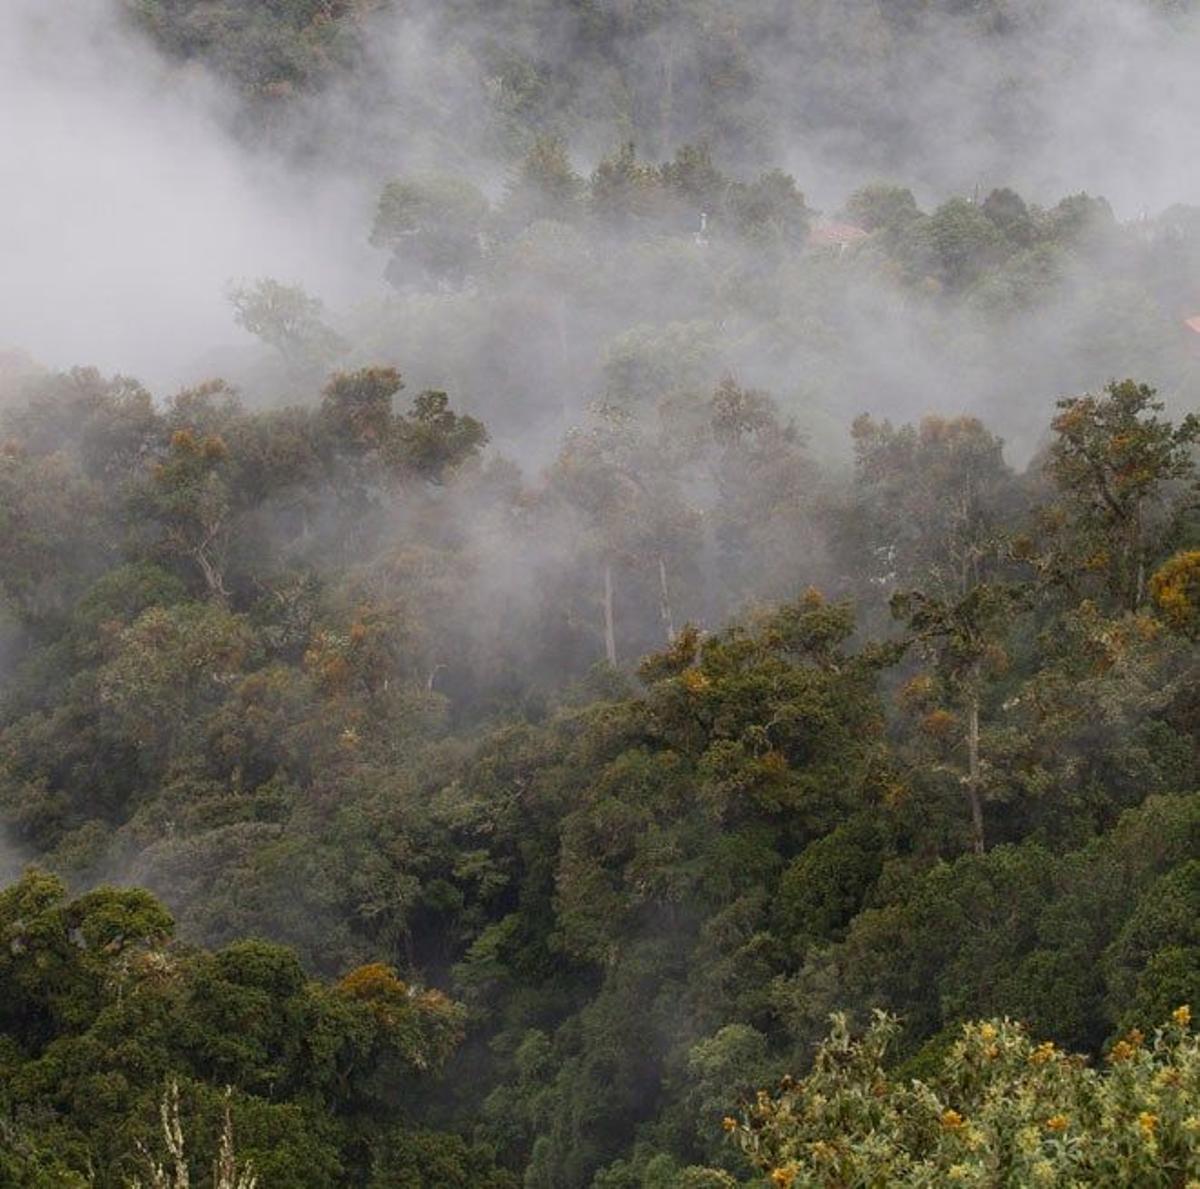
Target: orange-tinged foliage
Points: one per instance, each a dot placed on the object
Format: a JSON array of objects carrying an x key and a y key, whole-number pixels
[
  {"x": 213, "y": 448},
  {"x": 1175, "y": 589},
  {"x": 373, "y": 981},
  {"x": 939, "y": 724}
]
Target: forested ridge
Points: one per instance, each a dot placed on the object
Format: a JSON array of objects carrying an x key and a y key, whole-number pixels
[{"x": 672, "y": 689}]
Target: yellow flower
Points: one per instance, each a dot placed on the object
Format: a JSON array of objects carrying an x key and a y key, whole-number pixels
[
  {"x": 1182, "y": 1015},
  {"x": 988, "y": 1032},
  {"x": 957, "y": 1172},
  {"x": 1043, "y": 1053},
  {"x": 728, "y": 1123},
  {"x": 1192, "y": 1124},
  {"x": 1147, "y": 1123},
  {"x": 694, "y": 681},
  {"x": 1043, "y": 1171},
  {"x": 952, "y": 1120},
  {"x": 1057, "y": 1123},
  {"x": 1121, "y": 1051},
  {"x": 783, "y": 1176}
]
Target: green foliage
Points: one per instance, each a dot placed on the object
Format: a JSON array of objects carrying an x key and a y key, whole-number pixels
[
  {"x": 432, "y": 224},
  {"x": 1000, "y": 1109},
  {"x": 824, "y": 888},
  {"x": 272, "y": 51},
  {"x": 288, "y": 319},
  {"x": 1116, "y": 465},
  {"x": 425, "y": 1159},
  {"x": 881, "y": 206},
  {"x": 100, "y": 1007},
  {"x": 272, "y": 690},
  {"x": 362, "y": 700}
]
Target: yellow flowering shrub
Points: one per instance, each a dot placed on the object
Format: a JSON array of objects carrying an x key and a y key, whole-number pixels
[{"x": 1003, "y": 1110}]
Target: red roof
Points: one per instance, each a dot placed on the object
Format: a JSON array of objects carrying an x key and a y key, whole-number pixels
[{"x": 836, "y": 233}]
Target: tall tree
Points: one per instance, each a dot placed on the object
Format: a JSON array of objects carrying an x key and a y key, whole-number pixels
[{"x": 1123, "y": 476}]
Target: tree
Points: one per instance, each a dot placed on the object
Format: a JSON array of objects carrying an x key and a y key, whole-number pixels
[
  {"x": 167, "y": 668},
  {"x": 928, "y": 504},
  {"x": 52, "y": 535},
  {"x": 544, "y": 186},
  {"x": 882, "y": 207},
  {"x": 1123, "y": 475},
  {"x": 192, "y": 497},
  {"x": 287, "y": 318},
  {"x": 370, "y": 453},
  {"x": 695, "y": 183},
  {"x": 963, "y": 638},
  {"x": 101, "y": 1010},
  {"x": 770, "y": 212},
  {"x": 611, "y": 478},
  {"x": 953, "y": 247},
  {"x": 624, "y": 190},
  {"x": 1007, "y": 210},
  {"x": 226, "y": 1173},
  {"x": 433, "y": 225}
]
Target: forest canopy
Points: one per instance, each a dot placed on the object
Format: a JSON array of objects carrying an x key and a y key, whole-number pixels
[{"x": 659, "y": 650}]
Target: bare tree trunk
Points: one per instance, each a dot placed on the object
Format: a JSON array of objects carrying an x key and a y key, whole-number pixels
[
  {"x": 610, "y": 635},
  {"x": 973, "y": 790},
  {"x": 665, "y": 602},
  {"x": 213, "y": 578}
]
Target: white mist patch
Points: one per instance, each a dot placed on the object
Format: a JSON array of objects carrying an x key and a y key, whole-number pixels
[
  {"x": 125, "y": 208},
  {"x": 1095, "y": 95}
]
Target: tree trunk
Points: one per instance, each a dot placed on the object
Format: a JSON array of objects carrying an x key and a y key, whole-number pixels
[
  {"x": 213, "y": 578},
  {"x": 610, "y": 635},
  {"x": 973, "y": 790},
  {"x": 665, "y": 602}
]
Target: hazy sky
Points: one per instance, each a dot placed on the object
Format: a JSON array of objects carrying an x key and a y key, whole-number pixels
[{"x": 125, "y": 209}]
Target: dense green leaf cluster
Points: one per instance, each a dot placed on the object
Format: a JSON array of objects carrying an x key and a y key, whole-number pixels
[{"x": 102, "y": 1009}]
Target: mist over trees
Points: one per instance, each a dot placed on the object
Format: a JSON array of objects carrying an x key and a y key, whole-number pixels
[{"x": 599, "y": 595}]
